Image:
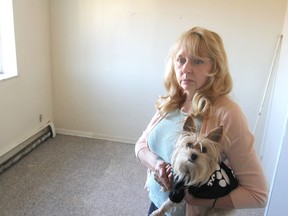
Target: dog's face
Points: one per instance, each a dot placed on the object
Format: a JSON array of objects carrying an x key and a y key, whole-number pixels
[{"x": 196, "y": 156}]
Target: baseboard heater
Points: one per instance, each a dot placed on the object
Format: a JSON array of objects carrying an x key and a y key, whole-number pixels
[{"x": 24, "y": 148}]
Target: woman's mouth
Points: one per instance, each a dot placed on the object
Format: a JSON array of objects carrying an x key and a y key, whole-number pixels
[{"x": 187, "y": 81}]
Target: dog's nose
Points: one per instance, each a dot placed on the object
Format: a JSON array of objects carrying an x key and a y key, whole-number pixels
[{"x": 194, "y": 157}]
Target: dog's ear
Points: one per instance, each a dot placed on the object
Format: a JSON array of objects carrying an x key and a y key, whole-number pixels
[
  {"x": 216, "y": 134},
  {"x": 189, "y": 125}
]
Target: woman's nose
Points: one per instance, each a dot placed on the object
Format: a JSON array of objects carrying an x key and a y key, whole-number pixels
[{"x": 187, "y": 67}]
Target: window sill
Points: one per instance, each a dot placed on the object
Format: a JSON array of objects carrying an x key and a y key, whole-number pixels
[{"x": 6, "y": 76}]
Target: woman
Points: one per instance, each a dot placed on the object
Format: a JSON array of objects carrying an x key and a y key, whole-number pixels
[{"x": 197, "y": 82}]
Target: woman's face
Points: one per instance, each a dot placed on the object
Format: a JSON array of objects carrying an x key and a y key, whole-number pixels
[{"x": 191, "y": 73}]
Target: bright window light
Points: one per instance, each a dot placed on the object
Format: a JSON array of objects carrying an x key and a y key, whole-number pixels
[{"x": 8, "y": 63}]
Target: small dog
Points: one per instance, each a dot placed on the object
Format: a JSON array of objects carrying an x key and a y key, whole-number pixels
[{"x": 197, "y": 166}]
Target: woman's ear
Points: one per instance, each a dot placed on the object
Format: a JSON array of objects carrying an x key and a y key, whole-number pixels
[{"x": 189, "y": 125}]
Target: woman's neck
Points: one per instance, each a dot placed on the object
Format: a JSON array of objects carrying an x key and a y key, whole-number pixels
[{"x": 187, "y": 104}]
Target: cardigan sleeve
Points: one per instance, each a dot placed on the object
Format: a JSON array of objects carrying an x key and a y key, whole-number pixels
[
  {"x": 142, "y": 141},
  {"x": 239, "y": 149}
]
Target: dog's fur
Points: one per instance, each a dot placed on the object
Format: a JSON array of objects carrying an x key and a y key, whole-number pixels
[{"x": 194, "y": 159}]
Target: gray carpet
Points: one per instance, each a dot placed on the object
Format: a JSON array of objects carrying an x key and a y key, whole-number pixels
[{"x": 67, "y": 176}]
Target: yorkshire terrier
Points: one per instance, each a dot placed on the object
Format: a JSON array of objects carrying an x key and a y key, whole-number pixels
[{"x": 197, "y": 167}]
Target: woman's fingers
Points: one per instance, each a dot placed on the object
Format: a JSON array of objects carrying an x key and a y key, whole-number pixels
[{"x": 162, "y": 174}]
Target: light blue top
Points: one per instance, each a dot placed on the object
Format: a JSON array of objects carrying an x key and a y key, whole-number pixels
[{"x": 161, "y": 141}]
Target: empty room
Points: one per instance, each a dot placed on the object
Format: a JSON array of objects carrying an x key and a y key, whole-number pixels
[{"x": 83, "y": 82}]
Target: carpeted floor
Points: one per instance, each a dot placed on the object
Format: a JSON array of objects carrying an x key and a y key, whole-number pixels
[{"x": 73, "y": 176}]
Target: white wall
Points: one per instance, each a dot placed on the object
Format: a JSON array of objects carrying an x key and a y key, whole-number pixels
[
  {"x": 25, "y": 97},
  {"x": 277, "y": 203},
  {"x": 108, "y": 58},
  {"x": 276, "y": 139}
]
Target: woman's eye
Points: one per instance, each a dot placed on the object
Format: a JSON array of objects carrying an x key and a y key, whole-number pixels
[
  {"x": 181, "y": 60},
  {"x": 189, "y": 145},
  {"x": 204, "y": 150},
  {"x": 198, "y": 61}
]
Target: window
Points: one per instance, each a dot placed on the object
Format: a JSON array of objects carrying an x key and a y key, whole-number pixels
[
  {"x": 8, "y": 64},
  {"x": 1, "y": 69}
]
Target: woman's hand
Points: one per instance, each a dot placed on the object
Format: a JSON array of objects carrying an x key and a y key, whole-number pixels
[
  {"x": 163, "y": 174},
  {"x": 162, "y": 170},
  {"x": 189, "y": 198}
]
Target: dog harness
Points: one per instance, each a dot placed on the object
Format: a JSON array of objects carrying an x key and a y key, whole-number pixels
[{"x": 220, "y": 183}]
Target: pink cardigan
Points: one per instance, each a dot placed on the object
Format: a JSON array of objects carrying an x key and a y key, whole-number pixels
[{"x": 252, "y": 191}]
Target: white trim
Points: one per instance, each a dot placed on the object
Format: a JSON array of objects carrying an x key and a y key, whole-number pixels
[
  {"x": 23, "y": 143},
  {"x": 86, "y": 134},
  {"x": 52, "y": 128}
]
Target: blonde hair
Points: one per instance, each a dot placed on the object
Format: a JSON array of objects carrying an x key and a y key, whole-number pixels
[{"x": 199, "y": 42}]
